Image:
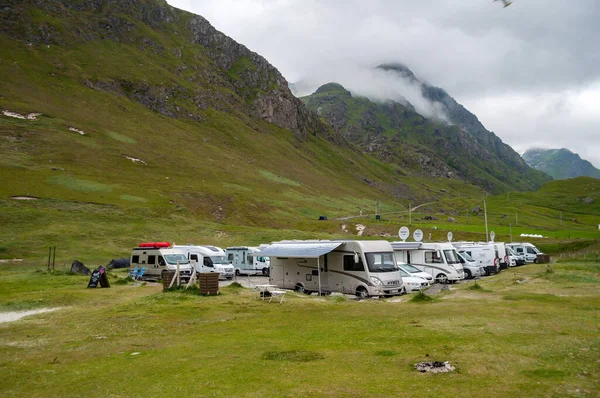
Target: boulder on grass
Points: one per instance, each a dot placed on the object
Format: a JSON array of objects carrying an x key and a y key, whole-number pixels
[{"x": 78, "y": 268}]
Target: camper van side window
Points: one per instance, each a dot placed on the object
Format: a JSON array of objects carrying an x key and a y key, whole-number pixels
[
  {"x": 161, "y": 261},
  {"x": 432, "y": 257},
  {"x": 151, "y": 260},
  {"x": 325, "y": 264},
  {"x": 250, "y": 260},
  {"x": 230, "y": 257},
  {"x": 194, "y": 257},
  {"x": 135, "y": 259},
  {"x": 350, "y": 265},
  {"x": 207, "y": 262}
]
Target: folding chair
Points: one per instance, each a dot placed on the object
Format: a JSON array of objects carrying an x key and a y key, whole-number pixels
[
  {"x": 140, "y": 274},
  {"x": 134, "y": 273}
]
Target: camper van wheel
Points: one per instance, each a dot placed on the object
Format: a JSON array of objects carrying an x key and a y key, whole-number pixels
[
  {"x": 299, "y": 288},
  {"x": 468, "y": 274},
  {"x": 442, "y": 278},
  {"x": 362, "y": 293},
  {"x": 237, "y": 272},
  {"x": 265, "y": 271}
]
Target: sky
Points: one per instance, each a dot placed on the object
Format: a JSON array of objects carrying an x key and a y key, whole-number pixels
[{"x": 530, "y": 72}]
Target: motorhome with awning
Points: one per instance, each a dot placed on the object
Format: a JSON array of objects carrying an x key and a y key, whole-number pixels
[{"x": 362, "y": 268}]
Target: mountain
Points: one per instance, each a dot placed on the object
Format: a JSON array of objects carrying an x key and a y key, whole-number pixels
[
  {"x": 398, "y": 134},
  {"x": 560, "y": 163}
]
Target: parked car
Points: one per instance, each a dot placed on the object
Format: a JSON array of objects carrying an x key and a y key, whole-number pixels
[
  {"x": 414, "y": 271},
  {"x": 412, "y": 283}
]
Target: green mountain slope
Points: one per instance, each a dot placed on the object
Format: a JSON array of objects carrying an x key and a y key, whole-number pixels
[
  {"x": 399, "y": 135},
  {"x": 560, "y": 163}
]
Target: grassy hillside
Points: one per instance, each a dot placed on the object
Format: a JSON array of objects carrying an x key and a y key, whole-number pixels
[{"x": 560, "y": 163}]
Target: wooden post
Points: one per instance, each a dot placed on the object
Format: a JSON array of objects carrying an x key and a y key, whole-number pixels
[
  {"x": 53, "y": 258},
  {"x": 193, "y": 277},
  {"x": 177, "y": 275},
  {"x": 49, "y": 257}
]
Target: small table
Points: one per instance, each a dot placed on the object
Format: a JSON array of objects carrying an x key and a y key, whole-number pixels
[{"x": 262, "y": 289}]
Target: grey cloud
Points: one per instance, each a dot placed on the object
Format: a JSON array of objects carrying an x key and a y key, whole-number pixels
[{"x": 539, "y": 51}]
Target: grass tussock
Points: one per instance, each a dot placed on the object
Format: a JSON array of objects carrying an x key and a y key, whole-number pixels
[
  {"x": 421, "y": 297},
  {"x": 476, "y": 287}
]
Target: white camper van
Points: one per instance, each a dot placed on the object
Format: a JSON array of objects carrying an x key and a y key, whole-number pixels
[
  {"x": 362, "y": 268},
  {"x": 527, "y": 249},
  {"x": 247, "y": 261},
  {"x": 437, "y": 259},
  {"x": 208, "y": 259},
  {"x": 504, "y": 261},
  {"x": 515, "y": 259},
  {"x": 485, "y": 255},
  {"x": 470, "y": 266},
  {"x": 158, "y": 256}
]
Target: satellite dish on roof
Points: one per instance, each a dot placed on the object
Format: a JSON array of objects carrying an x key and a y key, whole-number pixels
[
  {"x": 492, "y": 235},
  {"x": 450, "y": 236},
  {"x": 418, "y": 235},
  {"x": 404, "y": 233}
]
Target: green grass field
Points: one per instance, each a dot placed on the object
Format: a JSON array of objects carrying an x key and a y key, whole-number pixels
[{"x": 524, "y": 332}]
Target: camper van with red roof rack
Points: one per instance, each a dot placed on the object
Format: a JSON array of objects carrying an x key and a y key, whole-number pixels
[{"x": 158, "y": 256}]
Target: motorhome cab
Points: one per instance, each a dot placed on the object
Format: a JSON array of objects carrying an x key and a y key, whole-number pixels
[
  {"x": 247, "y": 261},
  {"x": 485, "y": 255},
  {"x": 158, "y": 256},
  {"x": 470, "y": 266},
  {"x": 362, "y": 268},
  {"x": 515, "y": 259},
  {"x": 528, "y": 250},
  {"x": 208, "y": 259},
  {"x": 437, "y": 259}
]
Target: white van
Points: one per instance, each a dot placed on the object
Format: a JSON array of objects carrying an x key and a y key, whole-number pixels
[
  {"x": 438, "y": 259},
  {"x": 208, "y": 259},
  {"x": 247, "y": 261},
  {"x": 470, "y": 266},
  {"x": 158, "y": 256},
  {"x": 528, "y": 250},
  {"x": 362, "y": 268},
  {"x": 501, "y": 253},
  {"x": 515, "y": 259},
  {"x": 485, "y": 255}
]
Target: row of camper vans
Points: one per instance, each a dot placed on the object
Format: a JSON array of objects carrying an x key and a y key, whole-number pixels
[
  {"x": 362, "y": 268},
  {"x": 158, "y": 256}
]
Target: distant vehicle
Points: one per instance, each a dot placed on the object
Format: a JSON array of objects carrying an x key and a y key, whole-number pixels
[
  {"x": 414, "y": 271},
  {"x": 208, "y": 259},
  {"x": 412, "y": 283},
  {"x": 362, "y": 268},
  {"x": 527, "y": 249},
  {"x": 438, "y": 259},
  {"x": 501, "y": 254},
  {"x": 247, "y": 261},
  {"x": 157, "y": 257},
  {"x": 515, "y": 259},
  {"x": 486, "y": 255},
  {"x": 470, "y": 266}
]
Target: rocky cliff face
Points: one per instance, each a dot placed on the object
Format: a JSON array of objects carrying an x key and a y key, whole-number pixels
[
  {"x": 560, "y": 163},
  {"x": 397, "y": 134},
  {"x": 218, "y": 71},
  {"x": 460, "y": 116}
]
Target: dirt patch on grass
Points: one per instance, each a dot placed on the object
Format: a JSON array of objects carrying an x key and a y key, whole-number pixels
[{"x": 16, "y": 315}]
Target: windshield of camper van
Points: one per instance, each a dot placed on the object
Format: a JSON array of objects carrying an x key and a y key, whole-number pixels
[
  {"x": 451, "y": 257},
  {"x": 403, "y": 273},
  {"x": 409, "y": 268},
  {"x": 381, "y": 262},
  {"x": 467, "y": 256},
  {"x": 219, "y": 260},
  {"x": 510, "y": 251},
  {"x": 173, "y": 258}
]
